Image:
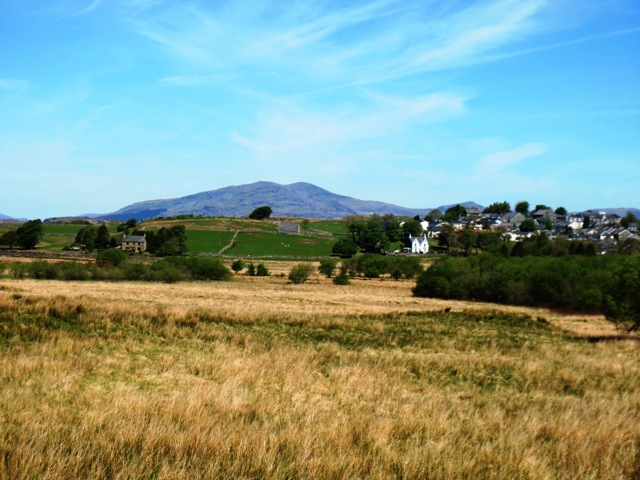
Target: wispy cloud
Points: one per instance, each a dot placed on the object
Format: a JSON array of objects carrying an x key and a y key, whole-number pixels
[
  {"x": 322, "y": 41},
  {"x": 498, "y": 161}
]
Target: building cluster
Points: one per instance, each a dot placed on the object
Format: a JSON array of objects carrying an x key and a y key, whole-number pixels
[{"x": 604, "y": 229}]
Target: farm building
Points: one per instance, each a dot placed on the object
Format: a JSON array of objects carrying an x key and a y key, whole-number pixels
[{"x": 134, "y": 243}]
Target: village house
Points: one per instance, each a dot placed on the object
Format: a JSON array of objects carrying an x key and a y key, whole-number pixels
[
  {"x": 418, "y": 244},
  {"x": 134, "y": 243}
]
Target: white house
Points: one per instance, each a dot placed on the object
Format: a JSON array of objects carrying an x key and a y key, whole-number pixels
[{"x": 419, "y": 244}]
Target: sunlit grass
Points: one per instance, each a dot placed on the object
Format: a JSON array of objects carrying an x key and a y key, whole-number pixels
[{"x": 258, "y": 378}]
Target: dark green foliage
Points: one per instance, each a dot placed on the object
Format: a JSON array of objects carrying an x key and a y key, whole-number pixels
[
  {"x": 498, "y": 207},
  {"x": 369, "y": 236},
  {"x": 9, "y": 238},
  {"x": 112, "y": 256},
  {"x": 131, "y": 223},
  {"x": 102, "y": 237},
  {"x": 523, "y": 208},
  {"x": 628, "y": 220},
  {"x": 261, "y": 213},
  {"x": 168, "y": 241},
  {"x": 29, "y": 234},
  {"x": 41, "y": 270},
  {"x": 343, "y": 277},
  {"x": 198, "y": 268},
  {"x": 541, "y": 206},
  {"x": 404, "y": 267},
  {"x": 561, "y": 211},
  {"x": 251, "y": 270},
  {"x": 73, "y": 271},
  {"x": 528, "y": 226},
  {"x": 86, "y": 237},
  {"x": 454, "y": 213},
  {"x": 327, "y": 267},
  {"x": 262, "y": 270},
  {"x": 412, "y": 227},
  {"x": 237, "y": 265},
  {"x": 345, "y": 248},
  {"x": 623, "y": 301},
  {"x": 574, "y": 282},
  {"x": 300, "y": 273}
]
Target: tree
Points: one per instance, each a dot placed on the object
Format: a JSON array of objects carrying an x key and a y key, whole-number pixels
[
  {"x": 541, "y": 206},
  {"x": 237, "y": 266},
  {"x": 345, "y": 248},
  {"x": 327, "y": 266},
  {"x": 623, "y": 301},
  {"x": 628, "y": 219},
  {"x": 29, "y": 234},
  {"x": 251, "y": 270},
  {"x": 413, "y": 228},
  {"x": 9, "y": 238},
  {"x": 113, "y": 256},
  {"x": 528, "y": 226},
  {"x": 87, "y": 236},
  {"x": 454, "y": 213},
  {"x": 262, "y": 270},
  {"x": 300, "y": 273},
  {"x": 561, "y": 211},
  {"x": 343, "y": 277},
  {"x": 261, "y": 213},
  {"x": 433, "y": 215},
  {"x": 102, "y": 237},
  {"x": 369, "y": 236},
  {"x": 523, "y": 208},
  {"x": 499, "y": 208}
]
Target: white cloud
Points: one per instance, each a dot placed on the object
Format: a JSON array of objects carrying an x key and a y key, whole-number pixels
[
  {"x": 498, "y": 161},
  {"x": 323, "y": 42}
]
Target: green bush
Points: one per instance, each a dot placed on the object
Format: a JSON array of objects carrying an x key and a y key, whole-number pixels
[
  {"x": 300, "y": 273},
  {"x": 262, "y": 270},
  {"x": 573, "y": 282},
  {"x": 113, "y": 256},
  {"x": 327, "y": 266}
]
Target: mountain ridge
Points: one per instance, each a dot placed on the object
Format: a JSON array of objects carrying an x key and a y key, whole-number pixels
[{"x": 300, "y": 199}]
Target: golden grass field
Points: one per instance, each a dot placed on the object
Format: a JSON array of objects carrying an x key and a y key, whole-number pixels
[{"x": 258, "y": 378}]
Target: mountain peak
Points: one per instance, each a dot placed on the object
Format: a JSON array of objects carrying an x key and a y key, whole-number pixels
[{"x": 300, "y": 199}]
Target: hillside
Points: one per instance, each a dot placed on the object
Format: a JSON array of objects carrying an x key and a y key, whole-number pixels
[{"x": 298, "y": 200}]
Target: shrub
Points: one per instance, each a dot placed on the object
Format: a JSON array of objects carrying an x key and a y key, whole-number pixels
[
  {"x": 327, "y": 267},
  {"x": 41, "y": 269},
  {"x": 343, "y": 277},
  {"x": 199, "y": 268},
  {"x": 262, "y": 270},
  {"x": 113, "y": 256},
  {"x": 74, "y": 271},
  {"x": 237, "y": 266},
  {"x": 300, "y": 273}
]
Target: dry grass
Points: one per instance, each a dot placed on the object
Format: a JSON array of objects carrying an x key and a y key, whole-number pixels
[{"x": 261, "y": 379}]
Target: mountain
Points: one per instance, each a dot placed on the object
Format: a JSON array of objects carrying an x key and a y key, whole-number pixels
[
  {"x": 295, "y": 200},
  {"x": 621, "y": 212},
  {"x": 5, "y": 217}
]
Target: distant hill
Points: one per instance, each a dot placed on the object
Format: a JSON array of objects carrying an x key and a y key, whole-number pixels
[
  {"x": 295, "y": 200},
  {"x": 620, "y": 211},
  {"x": 5, "y": 217}
]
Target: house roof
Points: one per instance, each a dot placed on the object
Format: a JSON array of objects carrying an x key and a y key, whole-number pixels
[{"x": 134, "y": 238}]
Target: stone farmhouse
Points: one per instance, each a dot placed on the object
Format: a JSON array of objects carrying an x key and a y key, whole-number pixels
[{"x": 134, "y": 243}]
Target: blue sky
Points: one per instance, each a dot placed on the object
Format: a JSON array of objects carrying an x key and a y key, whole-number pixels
[{"x": 419, "y": 103}]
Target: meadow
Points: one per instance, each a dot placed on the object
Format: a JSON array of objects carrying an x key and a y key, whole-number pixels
[{"x": 258, "y": 378}]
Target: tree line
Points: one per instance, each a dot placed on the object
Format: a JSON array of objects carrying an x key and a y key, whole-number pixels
[{"x": 606, "y": 284}]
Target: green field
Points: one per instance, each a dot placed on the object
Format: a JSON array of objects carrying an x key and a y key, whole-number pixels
[
  {"x": 207, "y": 241},
  {"x": 265, "y": 244},
  {"x": 339, "y": 227},
  {"x": 67, "y": 228}
]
